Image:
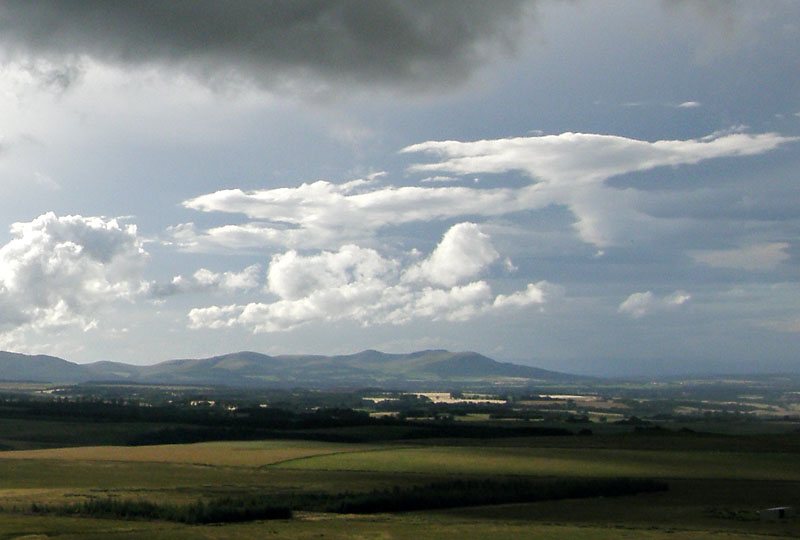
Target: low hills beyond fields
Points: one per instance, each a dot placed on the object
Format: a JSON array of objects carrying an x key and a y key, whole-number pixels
[
  {"x": 250, "y": 369},
  {"x": 245, "y": 445}
]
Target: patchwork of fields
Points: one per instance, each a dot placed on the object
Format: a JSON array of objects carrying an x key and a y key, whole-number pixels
[{"x": 713, "y": 492}]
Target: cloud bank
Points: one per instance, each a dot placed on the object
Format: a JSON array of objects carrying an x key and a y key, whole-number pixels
[
  {"x": 295, "y": 44},
  {"x": 566, "y": 170},
  {"x": 570, "y": 169},
  {"x": 361, "y": 285}
]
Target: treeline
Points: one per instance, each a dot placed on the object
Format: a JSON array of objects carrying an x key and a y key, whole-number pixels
[
  {"x": 296, "y": 399},
  {"x": 381, "y": 430},
  {"x": 458, "y": 493},
  {"x": 437, "y": 495},
  {"x": 176, "y": 424},
  {"x": 97, "y": 410},
  {"x": 220, "y": 510}
]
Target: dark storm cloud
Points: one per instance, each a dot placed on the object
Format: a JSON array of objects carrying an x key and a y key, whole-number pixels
[{"x": 336, "y": 42}]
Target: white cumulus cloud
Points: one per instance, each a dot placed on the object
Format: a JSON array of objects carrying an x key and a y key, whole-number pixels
[
  {"x": 645, "y": 303},
  {"x": 361, "y": 285},
  {"x": 59, "y": 271},
  {"x": 292, "y": 276},
  {"x": 204, "y": 280},
  {"x": 463, "y": 253},
  {"x": 534, "y": 294}
]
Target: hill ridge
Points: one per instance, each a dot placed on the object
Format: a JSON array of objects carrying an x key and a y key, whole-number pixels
[{"x": 436, "y": 367}]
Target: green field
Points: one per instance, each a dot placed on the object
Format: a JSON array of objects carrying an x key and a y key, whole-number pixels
[
  {"x": 232, "y": 454},
  {"x": 713, "y": 493},
  {"x": 561, "y": 462}
]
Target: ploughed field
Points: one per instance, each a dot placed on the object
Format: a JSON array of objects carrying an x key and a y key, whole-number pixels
[{"x": 714, "y": 488}]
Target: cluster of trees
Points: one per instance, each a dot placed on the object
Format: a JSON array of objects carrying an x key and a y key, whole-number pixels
[
  {"x": 445, "y": 494},
  {"x": 220, "y": 510},
  {"x": 457, "y": 493}
]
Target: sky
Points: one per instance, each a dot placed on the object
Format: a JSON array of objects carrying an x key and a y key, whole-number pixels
[{"x": 592, "y": 187}]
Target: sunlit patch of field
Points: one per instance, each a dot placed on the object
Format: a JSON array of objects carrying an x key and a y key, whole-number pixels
[
  {"x": 61, "y": 481},
  {"x": 476, "y": 417},
  {"x": 230, "y": 454},
  {"x": 35, "y": 474},
  {"x": 178, "y": 473},
  {"x": 446, "y": 397},
  {"x": 568, "y": 462}
]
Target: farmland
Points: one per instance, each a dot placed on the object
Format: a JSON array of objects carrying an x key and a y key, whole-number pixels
[
  {"x": 709, "y": 491},
  {"x": 63, "y": 459}
]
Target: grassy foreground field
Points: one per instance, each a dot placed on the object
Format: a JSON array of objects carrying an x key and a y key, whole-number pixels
[
  {"x": 713, "y": 493},
  {"x": 405, "y": 527}
]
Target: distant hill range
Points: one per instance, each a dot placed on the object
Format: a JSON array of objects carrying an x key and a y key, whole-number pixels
[{"x": 424, "y": 369}]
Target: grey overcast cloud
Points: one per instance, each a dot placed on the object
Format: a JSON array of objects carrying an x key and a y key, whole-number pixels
[{"x": 593, "y": 187}]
